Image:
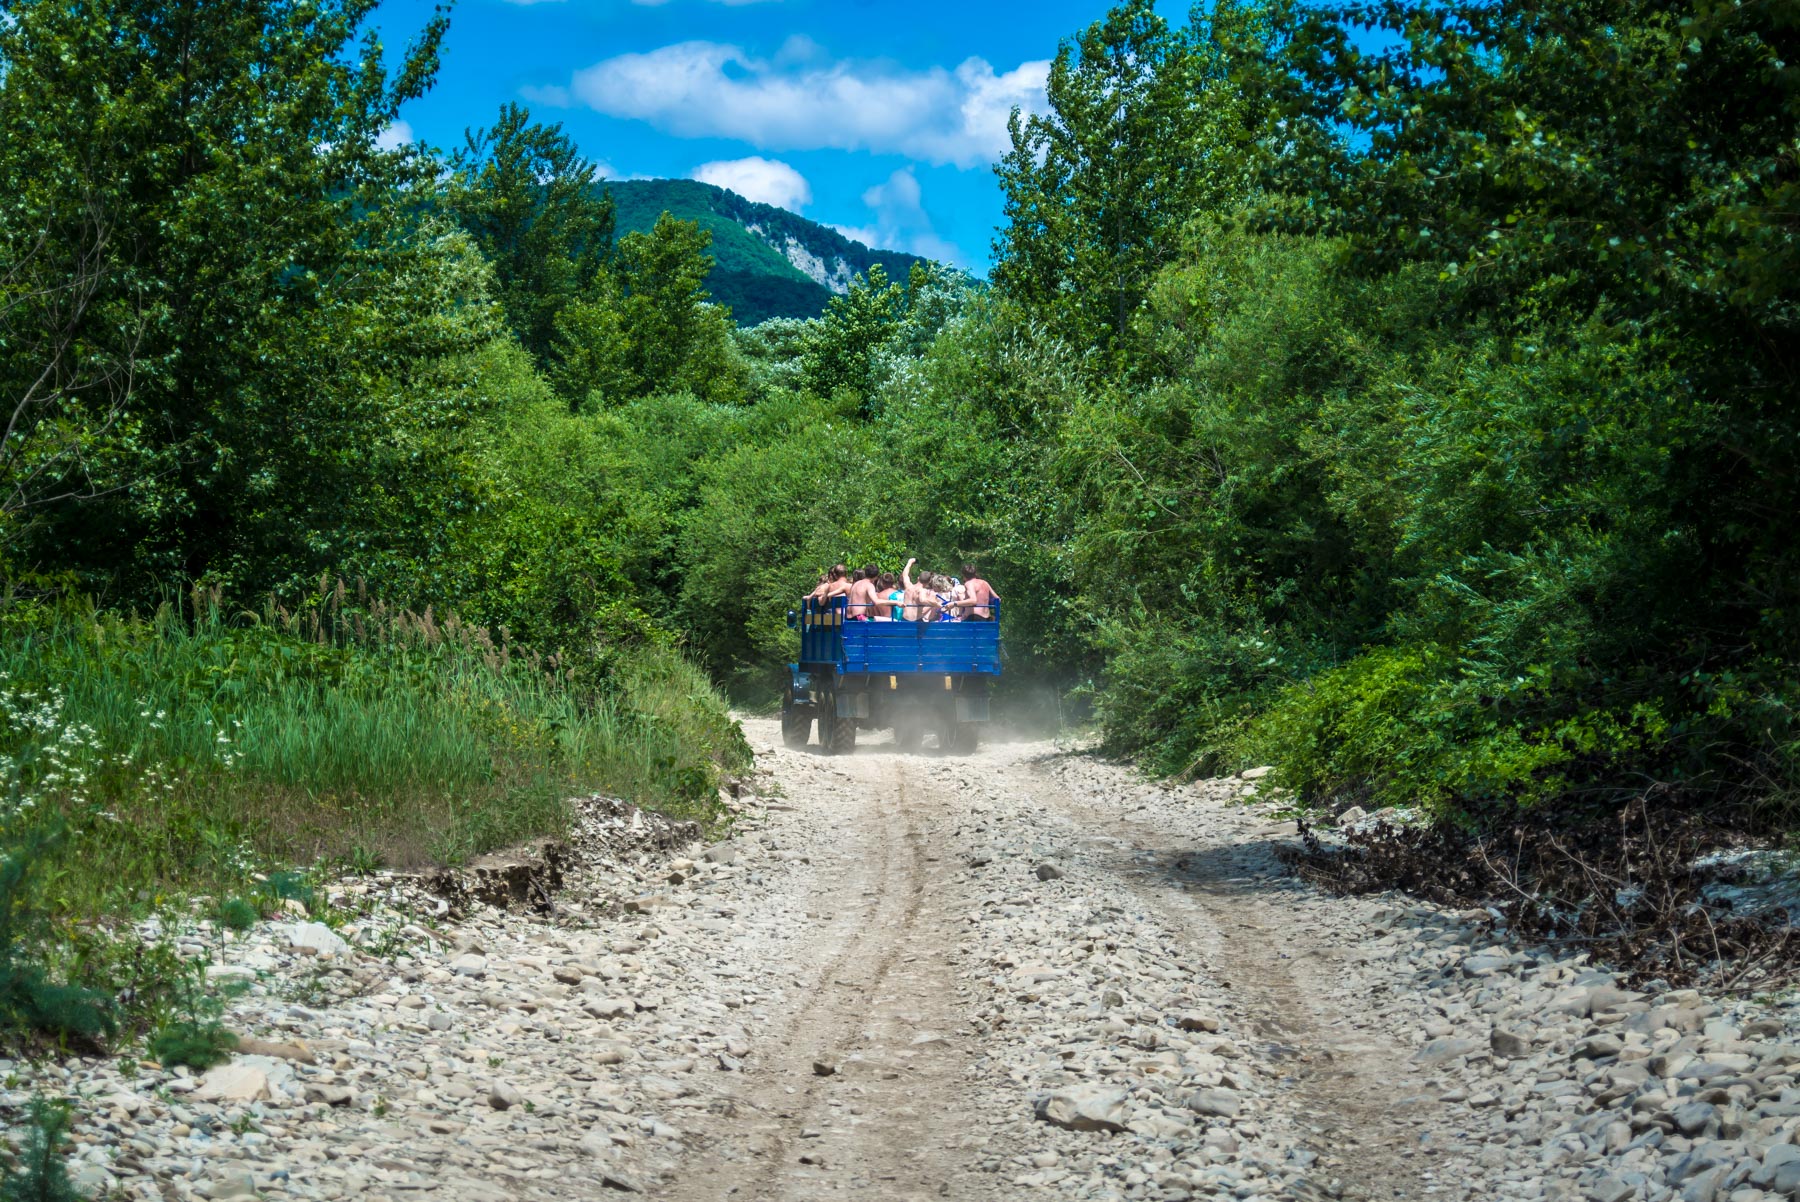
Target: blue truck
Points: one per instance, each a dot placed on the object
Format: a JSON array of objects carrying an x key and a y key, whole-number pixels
[{"x": 915, "y": 678}]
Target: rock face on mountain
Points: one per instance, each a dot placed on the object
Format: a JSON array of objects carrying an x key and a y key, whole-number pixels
[{"x": 769, "y": 262}]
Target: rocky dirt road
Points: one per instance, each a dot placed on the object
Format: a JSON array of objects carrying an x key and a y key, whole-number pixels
[{"x": 1023, "y": 973}]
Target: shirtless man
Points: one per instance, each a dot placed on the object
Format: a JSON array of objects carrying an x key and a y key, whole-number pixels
[
  {"x": 981, "y": 596},
  {"x": 835, "y": 585},
  {"x": 862, "y": 595},
  {"x": 921, "y": 601}
]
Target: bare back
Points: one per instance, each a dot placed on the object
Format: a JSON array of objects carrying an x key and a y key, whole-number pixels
[
  {"x": 981, "y": 598},
  {"x": 862, "y": 599}
]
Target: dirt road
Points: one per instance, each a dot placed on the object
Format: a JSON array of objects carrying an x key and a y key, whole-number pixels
[
  {"x": 1019, "y": 974},
  {"x": 985, "y": 930}
]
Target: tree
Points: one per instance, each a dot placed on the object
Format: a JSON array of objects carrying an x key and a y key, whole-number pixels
[
  {"x": 62, "y": 402},
  {"x": 664, "y": 274},
  {"x": 534, "y": 208},
  {"x": 646, "y": 324},
  {"x": 262, "y": 268},
  {"x": 856, "y": 325},
  {"x": 1146, "y": 128}
]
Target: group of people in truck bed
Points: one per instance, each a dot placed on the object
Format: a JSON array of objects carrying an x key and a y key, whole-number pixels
[{"x": 876, "y": 596}]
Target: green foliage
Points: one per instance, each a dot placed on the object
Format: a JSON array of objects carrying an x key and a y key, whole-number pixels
[
  {"x": 40, "y": 1174},
  {"x": 524, "y": 193},
  {"x": 208, "y": 748},
  {"x": 259, "y": 288},
  {"x": 191, "y": 1032},
  {"x": 773, "y": 354},
  {"x": 288, "y": 885},
  {"x": 1419, "y": 464},
  {"x": 646, "y": 326},
  {"x": 1146, "y": 127},
  {"x": 32, "y": 1001},
  {"x": 199, "y": 1044},
  {"x": 855, "y": 328},
  {"x": 236, "y": 914}
]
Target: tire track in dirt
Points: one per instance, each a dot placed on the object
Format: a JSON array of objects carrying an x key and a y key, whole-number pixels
[
  {"x": 1222, "y": 896},
  {"x": 877, "y": 1014}
]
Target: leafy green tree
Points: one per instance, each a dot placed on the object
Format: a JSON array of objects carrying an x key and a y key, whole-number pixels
[
  {"x": 534, "y": 207},
  {"x": 677, "y": 339},
  {"x": 1146, "y": 127},
  {"x": 774, "y": 353},
  {"x": 592, "y": 351},
  {"x": 260, "y": 248},
  {"x": 856, "y": 326},
  {"x": 646, "y": 324}
]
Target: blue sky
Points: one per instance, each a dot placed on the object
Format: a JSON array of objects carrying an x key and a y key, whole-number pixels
[{"x": 880, "y": 118}]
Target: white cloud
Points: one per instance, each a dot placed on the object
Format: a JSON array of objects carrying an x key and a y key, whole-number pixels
[
  {"x": 803, "y": 100},
  {"x": 770, "y": 181},
  {"x": 901, "y": 222},
  {"x": 399, "y": 134}
]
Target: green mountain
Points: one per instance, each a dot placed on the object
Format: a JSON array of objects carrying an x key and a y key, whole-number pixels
[{"x": 768, "y": 262}]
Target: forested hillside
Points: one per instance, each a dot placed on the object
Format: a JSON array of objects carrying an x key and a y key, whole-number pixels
[
  {"x": 767, "y": 262},
  {"x": 1418, "y": 420}
]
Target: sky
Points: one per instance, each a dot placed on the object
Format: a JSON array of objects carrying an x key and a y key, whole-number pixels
[{"x": 878, "y": 117}]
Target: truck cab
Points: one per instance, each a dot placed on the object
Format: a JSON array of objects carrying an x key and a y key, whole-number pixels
[{"x": 915, "y": 678}]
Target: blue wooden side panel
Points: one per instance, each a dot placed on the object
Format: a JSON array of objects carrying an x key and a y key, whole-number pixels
[{"x": 826, "y": 636}]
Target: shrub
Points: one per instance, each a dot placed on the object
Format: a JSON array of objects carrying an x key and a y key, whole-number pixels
[{"x": 39, "y": 1175}]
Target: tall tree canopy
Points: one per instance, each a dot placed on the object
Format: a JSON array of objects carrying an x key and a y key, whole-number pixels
[
  {"x": 1146, "y": 127},
  {"x": 251, "y": 252},
  {"x": 537, "y": 211}
]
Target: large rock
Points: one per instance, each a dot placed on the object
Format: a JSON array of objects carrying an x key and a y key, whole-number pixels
[
  {"x": 1213, "y": 1103},
  {"x": 1610, "y": 1189},
  {"x": 1085, "y": 1108},
  {"x": 1693, "y": 1118},
  {"x": 470, "y": 964},
  {"x": 297, "y": 1052},
  {"x": 233, "y": 1083},
  {"x": 1449, "y": 1047},
  {"x": 317, "y": 938},
  {"x": 1597, "y": 1047},
  {"x": 1510, "y": 1044}
]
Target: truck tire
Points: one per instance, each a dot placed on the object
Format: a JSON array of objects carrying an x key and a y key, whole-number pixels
[
  {"x": 838, "y": 737},
  {"x": 965, "y": 738},
  {"x": 796, "y": 728}
]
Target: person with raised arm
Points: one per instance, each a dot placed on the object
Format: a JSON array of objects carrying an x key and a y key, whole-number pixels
[{"x": 921, "y": 601}]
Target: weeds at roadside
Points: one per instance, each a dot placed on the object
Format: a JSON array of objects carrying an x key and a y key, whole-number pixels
[
  {"x": 191, "y": 1031},
  {"x": 1631, "y": 886},
  {"x": 39, "y": 1173}
]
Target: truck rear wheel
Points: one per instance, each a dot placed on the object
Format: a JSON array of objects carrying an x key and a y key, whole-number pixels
[
  {"x": 836, "y": 735},
  {"x": 965, "y": 737},
  {"x": 796, "y": 728}
]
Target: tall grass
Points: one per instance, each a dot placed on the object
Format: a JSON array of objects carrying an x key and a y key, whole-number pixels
[{"x": 184, "y": 749}]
